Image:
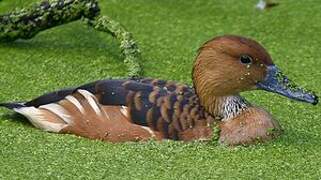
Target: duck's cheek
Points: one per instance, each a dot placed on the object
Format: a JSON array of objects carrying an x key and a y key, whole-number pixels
[{"x": 246, "y": 84}]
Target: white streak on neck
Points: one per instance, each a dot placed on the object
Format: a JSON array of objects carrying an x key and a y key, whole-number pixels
[{"x": 233, "y": 106}]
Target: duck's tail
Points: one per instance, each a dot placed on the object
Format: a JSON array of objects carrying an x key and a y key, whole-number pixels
[
  {"x": 13, "y": 105},
  {"x": 54, "y": 116},
  {"x": 35, "y": 116}
]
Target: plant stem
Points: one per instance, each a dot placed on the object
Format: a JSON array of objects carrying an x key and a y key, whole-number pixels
[{"x": 127, "y": 44}]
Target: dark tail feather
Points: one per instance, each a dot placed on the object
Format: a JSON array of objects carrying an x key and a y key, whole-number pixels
[{"x": 12, "y": 105}]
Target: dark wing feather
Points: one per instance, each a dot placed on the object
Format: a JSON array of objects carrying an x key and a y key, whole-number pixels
[
  {"x": 139, "y": 102},
  {"x": 50, "y": 97},
  {"x": 56, "y": 96}
]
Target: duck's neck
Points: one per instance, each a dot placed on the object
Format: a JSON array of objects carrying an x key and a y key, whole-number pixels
[{"x": 224, "y": 107}]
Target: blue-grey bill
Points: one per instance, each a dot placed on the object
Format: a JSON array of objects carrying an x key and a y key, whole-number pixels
[{"x": 276, "y": 82}]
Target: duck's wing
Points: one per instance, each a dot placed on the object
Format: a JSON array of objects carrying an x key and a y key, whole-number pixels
[
  {"x": 119, "y": 108},
  {"x": 111, "y": 91}
]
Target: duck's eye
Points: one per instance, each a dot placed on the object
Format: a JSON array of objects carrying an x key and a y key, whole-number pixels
[{"x": 246, "y": 59}]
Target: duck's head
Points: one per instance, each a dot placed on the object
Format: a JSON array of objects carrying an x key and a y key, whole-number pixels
[{"x": 227, "y": 65}]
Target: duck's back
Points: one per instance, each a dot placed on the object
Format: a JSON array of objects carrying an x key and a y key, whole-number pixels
[{"x": 167, "y": 108}]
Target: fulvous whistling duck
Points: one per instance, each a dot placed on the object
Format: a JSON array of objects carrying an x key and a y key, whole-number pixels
[{"x": 145, "y": 108}]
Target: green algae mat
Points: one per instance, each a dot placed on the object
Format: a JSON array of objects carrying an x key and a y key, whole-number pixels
[{"x": 168, "y": 34}]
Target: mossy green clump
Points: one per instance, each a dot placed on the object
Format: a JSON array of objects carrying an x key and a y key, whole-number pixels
[
  {"x": 216, "y": 130},
  {"x": 26, "y": 23},
  {"x": 127, "y": 44}
]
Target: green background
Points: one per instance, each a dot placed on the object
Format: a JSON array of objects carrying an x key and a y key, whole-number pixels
[{"x": 169, "y": 34}]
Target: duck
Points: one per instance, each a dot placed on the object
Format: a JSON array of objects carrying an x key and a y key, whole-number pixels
[{"x": 141, "y": 109}]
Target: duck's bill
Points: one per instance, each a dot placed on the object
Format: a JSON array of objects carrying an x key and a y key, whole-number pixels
[{"x": 276, "y": 82}]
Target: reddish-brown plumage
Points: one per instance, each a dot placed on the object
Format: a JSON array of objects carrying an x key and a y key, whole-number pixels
[
  {"x": 218, "y": 71},
  {"x": 111, "y": 125},
  {"x": 253, "y": 125}
]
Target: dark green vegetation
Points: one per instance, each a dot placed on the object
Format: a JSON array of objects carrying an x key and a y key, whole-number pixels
[{"x": 168, "y": 34}]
